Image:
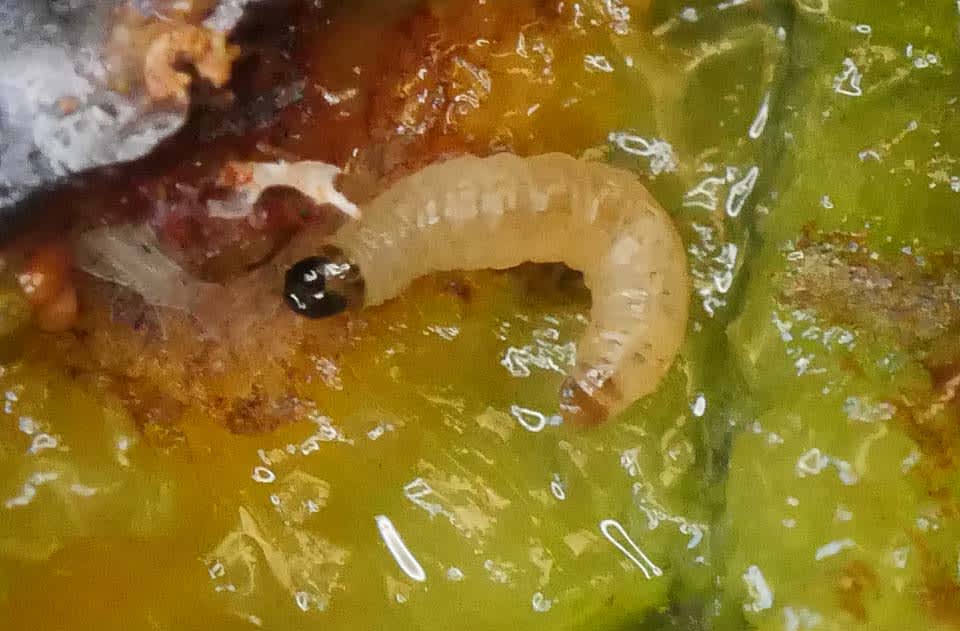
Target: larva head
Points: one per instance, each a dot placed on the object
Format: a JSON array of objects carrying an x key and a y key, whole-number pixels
[{"x": 323, "y": 285}]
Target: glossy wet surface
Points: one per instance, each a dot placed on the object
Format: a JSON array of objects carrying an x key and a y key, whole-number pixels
[{"x": 405, "y": 467}]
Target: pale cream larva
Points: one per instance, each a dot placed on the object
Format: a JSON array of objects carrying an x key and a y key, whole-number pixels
[
  {"x": 497, "y": 212},
  {"x": 467, "y": 213}
]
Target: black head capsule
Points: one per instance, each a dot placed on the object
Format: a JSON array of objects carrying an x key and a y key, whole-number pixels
[
  {"x": 320, "y": 287},
  {"x": 305, "y": 289}
]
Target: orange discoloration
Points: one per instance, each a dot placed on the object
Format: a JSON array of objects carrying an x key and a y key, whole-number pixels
[
  {"x": 68, "y": 104},
  {"x": 205, "y": 50},
  {"x": 45, "y": 274},
  {"x": 60, "y": 314},
  {"x": 854, "y": 585},
  {"x": 149, "y": 51},
  {"x": 940, "y": 592},
  {"x": 942, "y": 596},
  {"x": 235, "y": 174},
  {"x": 932, "y": 420}
]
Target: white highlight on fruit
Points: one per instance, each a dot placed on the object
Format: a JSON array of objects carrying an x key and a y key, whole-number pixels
[
  {"x": 401, "y": 554},
  {"x": 615, "y": 534}
]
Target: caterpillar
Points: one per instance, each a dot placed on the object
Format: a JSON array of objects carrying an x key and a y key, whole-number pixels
[{"x": 470, "y": 213}]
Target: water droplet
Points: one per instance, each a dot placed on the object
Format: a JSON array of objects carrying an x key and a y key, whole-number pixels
[
  {"x": 401, "y": 554},
  {"x": 540, "y": 603},
  {"x": 740, "y": 191},
  {"x": 848, "y": 81},
  {"x": 699, "y": 405},
  {"x": 557, "y": 488},
  {"x": 615, "y": 534},
  {"x": 760, "y": 120},
  {"x": 531, "y": 420},
  {"x": 263, "y": 475},
  {"x": 759, "y": 590}
]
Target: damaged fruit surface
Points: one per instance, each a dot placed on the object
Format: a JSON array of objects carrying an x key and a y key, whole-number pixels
[{"x": 406, "y": 465}]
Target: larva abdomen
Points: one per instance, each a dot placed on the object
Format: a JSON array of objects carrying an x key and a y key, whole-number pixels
[{"x": 501, "y": 211}]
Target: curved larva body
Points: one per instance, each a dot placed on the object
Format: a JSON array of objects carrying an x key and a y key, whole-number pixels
[
  {"x": 473, "y": 213},
  {"x": 498, "y": 212}
]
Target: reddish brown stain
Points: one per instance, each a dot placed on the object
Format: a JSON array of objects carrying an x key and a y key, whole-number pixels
[{"x": 854, "y": 585}]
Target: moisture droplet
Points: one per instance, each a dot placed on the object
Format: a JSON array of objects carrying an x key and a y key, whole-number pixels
[
  {"x": 263, "y": 475},
  {"x": 531, "y": 420},
  {"x": 848, "y": 81},
  {"x": 540, "y": 603},
  {"x": 699, "y": 405},
  {"x": 760, "y": 121},
  {"x": 740, "y": 191},
  {"x": 610, "y": 528},
  {"x": 303, "y": 600},
  {"x": 401, "y": 554}
]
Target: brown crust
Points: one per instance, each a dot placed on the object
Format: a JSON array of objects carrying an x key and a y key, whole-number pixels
[
  {"x": 207, "y": 51},
  {"x": 152, "y": 54}
]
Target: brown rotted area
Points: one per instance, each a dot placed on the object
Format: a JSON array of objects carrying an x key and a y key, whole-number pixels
[
  {"x": 917, "y": 306},
  {"x": 894, "y": 298},
  {"x": 339, "y": 83}
]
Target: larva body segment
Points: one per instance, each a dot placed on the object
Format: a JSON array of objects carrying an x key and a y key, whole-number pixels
[{"x": 498, "y": 212}]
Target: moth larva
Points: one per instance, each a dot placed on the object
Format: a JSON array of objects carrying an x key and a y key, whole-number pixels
[
  {"x": 497, "y": 212},
  {"x": 470, "y": 213}
]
